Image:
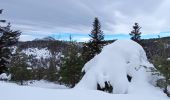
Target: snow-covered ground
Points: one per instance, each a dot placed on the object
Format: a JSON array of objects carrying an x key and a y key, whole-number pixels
[
  {"x": 45, "y": 84},
  {"x": 11, "y": 91}
]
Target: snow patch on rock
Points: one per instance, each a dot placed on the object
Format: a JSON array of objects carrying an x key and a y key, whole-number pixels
[{"x": 4, "y": 76}]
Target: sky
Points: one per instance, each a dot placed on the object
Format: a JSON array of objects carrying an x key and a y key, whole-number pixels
[{"x": 60, "y": 18}]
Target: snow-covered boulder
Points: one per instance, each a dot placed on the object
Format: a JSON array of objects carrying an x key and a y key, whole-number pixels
[
  {"x": 113, "y": 64},
  {"x": 4, "y": 76}
]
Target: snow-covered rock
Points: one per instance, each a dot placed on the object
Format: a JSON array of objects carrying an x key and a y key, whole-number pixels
[
  {"x": 4, "y": 76},
  {"x": 113, "y": 64}
]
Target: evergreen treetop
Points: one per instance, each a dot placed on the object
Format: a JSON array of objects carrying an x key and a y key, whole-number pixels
[
  {"x": 96, "y": 33},
  {"x": 135, "y": 33},
  {"x": 94, "y": 46}
]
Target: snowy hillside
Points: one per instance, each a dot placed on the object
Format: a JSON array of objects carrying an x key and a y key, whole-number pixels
[
  {"x": 42, "y": 53},
  {"x": 38, "y": 53},
  {"x": 43, "y": 50},
  {"x": 11, "y": 91}
]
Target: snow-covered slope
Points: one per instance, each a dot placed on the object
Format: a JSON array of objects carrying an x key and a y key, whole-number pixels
[
  {"x": 11, "y": 91},
  {"x": 113, "y": 64},
  {"x": 38, "y": 53}
]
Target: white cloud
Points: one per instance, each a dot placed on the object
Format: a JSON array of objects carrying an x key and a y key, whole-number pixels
[
  {"x": 26, "y": 38},
  {"x": 82, "y": 39}
]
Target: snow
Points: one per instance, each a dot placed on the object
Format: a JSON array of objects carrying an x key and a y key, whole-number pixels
[
  {"x": 45, "y": 84},
  {"x": 39, "y": 53},
  {"x": 168, "y": 59},
  {"x": 168, "y": 89},
  {"x": 14, "y": 48},
  {"x": 4, "y": 76},
  {"x": 113, "y": 64},
  {"x": 11, "y": 91}
]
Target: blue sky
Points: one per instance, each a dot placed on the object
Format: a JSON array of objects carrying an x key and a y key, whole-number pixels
[{"x": 85, "y": 37}]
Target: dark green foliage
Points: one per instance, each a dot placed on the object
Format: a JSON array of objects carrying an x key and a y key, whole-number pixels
[
  {"x": 162, "y": 65},
  {"x": 8, "y": 38},
  {"x": 94, "y": 46},
  {"x": 39, "y": 73},
  {"x": 51, "y": 71},
  {"x": 35, "y": 70},
  {"x": 72, "y": 63},
  {"x": 135, "y": 33},
  {"x": 90, "y": 49},
  {"x": 20, "y": 73},
  {"x": 19, "y": 69},
  {"x": 96, "y": 33}
]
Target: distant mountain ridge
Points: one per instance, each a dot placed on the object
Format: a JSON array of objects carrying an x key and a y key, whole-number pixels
[{"x": 48, "y": 38}]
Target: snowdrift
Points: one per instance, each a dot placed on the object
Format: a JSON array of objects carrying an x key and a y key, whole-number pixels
[{"x": 113, "y": 64}]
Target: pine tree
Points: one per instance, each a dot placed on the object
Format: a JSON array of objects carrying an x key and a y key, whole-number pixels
[
  {"x": 8, "y": 38},
  {"x": 96, "y": 34},
  {"x": 52, "y": 70},
  {"x": 19, "y": 69},
  {"x": 93, "y": 47},
  {"x": 72, "y": 63},
  {"x": 135, "y": 33}
]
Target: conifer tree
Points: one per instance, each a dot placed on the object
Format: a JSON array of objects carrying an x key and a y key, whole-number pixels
[
  {"x": 52, "y": 71},
  {"x": 96, "y": 33},
  {"x": 72, "y": 63},
  {"x": 93, "y": 47},
  {"x": 135, "y": 33},
  {"x": 8, "y": 38},
  {"x": 19, "y": 69}
]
